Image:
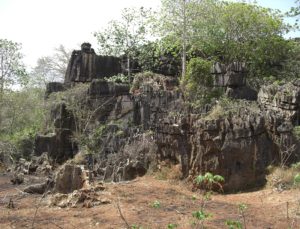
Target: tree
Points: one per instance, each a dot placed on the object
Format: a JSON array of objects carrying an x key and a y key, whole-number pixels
[
  {"x": 228, "y": 32},
  {"x": 12, "y": 69},
  {"x": 176, "y": 23},
  {"x": 123, "y": 37},
  {"x": 51, "y": 68},
  {"x": 295, "y": 11}
]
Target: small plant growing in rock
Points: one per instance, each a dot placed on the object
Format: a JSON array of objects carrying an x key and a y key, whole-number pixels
[{"x": 156, "y": 204}]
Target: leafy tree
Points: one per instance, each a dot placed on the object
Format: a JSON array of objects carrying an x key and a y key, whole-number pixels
[
  {"x": 12, "y": 69},
  {"x": 124, "y": 36},
  {"x": 243, "y": 32},
  {"x": 176, "y": 24},
  {"x": 22, "y": 113},
  {"x": 51, "y": 68}
]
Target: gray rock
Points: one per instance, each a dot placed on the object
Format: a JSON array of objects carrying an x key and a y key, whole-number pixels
[{"x": 68, "y": 178}]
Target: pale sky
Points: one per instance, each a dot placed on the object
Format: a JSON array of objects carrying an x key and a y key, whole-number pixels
[{"x": 42, "y": 25}]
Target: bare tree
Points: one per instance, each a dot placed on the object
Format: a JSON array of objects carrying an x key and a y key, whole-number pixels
[{"x": 51, "y": 68}]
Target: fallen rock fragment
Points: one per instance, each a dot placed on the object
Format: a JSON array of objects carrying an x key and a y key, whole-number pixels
[{"x": 85, "y": 197}]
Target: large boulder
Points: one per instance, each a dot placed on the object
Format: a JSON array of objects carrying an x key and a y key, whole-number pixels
[{"x": 69, "y": 178}]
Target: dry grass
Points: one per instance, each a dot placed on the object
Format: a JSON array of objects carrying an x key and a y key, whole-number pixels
[
  {"x": 280, "y": 177},
  {"x": 168, "y": 172}
]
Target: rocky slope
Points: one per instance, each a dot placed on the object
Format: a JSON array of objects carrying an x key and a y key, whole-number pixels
[{"x": 133, "y": 131}]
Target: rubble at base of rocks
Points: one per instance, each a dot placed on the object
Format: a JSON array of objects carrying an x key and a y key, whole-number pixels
[{"x": 89, "y": 197}]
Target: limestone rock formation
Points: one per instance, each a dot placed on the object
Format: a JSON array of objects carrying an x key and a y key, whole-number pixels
[
  {"x": 233, "y": 78},
  {"x": 132, "y": 130},
  {"x": 69, "y": 178},
  {"x": 284, "y": 100},
  {"x": 85, "y": 65},
  {"x": 53, "y": 87}
]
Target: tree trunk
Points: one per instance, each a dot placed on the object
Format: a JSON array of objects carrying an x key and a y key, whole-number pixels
[{"x": 184, "y": 37}]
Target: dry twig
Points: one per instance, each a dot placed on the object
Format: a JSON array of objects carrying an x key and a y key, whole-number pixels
[{"x": 121, "y": 214}]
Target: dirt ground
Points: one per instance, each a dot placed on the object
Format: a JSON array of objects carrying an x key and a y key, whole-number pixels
[{"x": 147, "y": 202}]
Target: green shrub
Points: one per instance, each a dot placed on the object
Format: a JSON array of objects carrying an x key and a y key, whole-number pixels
[
  {"x": 208, "y": 180},
  {"x": 198, "y": 83},
  {"x": 198, "y": 72}
]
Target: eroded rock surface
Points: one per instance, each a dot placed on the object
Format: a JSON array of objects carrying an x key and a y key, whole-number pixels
[
  {"x": 133, "y": 130},
  {"x": 69, "y": 178}
]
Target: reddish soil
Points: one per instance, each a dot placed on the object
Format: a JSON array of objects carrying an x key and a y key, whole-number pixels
[{"x": 265, "y": 208}]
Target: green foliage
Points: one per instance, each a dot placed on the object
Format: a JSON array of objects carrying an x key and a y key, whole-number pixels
[
  {"x": 233, "y": 224},
  {"x": 159, "y": 55},
  {"x": 198, "y": 72},
  {"x": 242, "y": 207},
  {"x": 231, "y": 31},
  {"x": 12, "y": 69},
  {"x": 172, "y": 226},
  {"x": 156, "y": 204},
  {"x": 208, "y": 180},
  {"x": 201, "y": 215},
  {"x": 198, "y": 82},
  {"x": 297, "y": 179},
  {"x": 76, "y": 103},
  {"x": 22, "y": 114},
  {"x": 125, "y": 36}
]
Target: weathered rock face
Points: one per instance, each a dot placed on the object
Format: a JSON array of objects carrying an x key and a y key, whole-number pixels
[
  {"x": 283, "y": 100},
  {"x": 233, "y": 78},
  {"x": 153, "y": 123},
  {"x": 53, "y": 87},
  {"x": 237, "y": 147},
  {"x": 69, "y": 178},
  {"x": 59, "y": 145},
  {"x": 85, "y": 65}
]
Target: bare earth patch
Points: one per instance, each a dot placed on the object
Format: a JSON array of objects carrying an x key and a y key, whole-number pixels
[{"x": 266, "y": 208}]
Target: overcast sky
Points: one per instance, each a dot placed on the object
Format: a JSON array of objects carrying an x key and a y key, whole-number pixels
[{"x": 41, "y": 25}]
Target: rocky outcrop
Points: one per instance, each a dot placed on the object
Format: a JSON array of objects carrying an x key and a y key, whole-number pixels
[
  {"x": 130, "y": 131},
  {"x": 233, "y": 78},
  {"x": 283, "y": 100},
  {"x": 85, "y": 65},
  {"x": 54, "y": 87}
]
